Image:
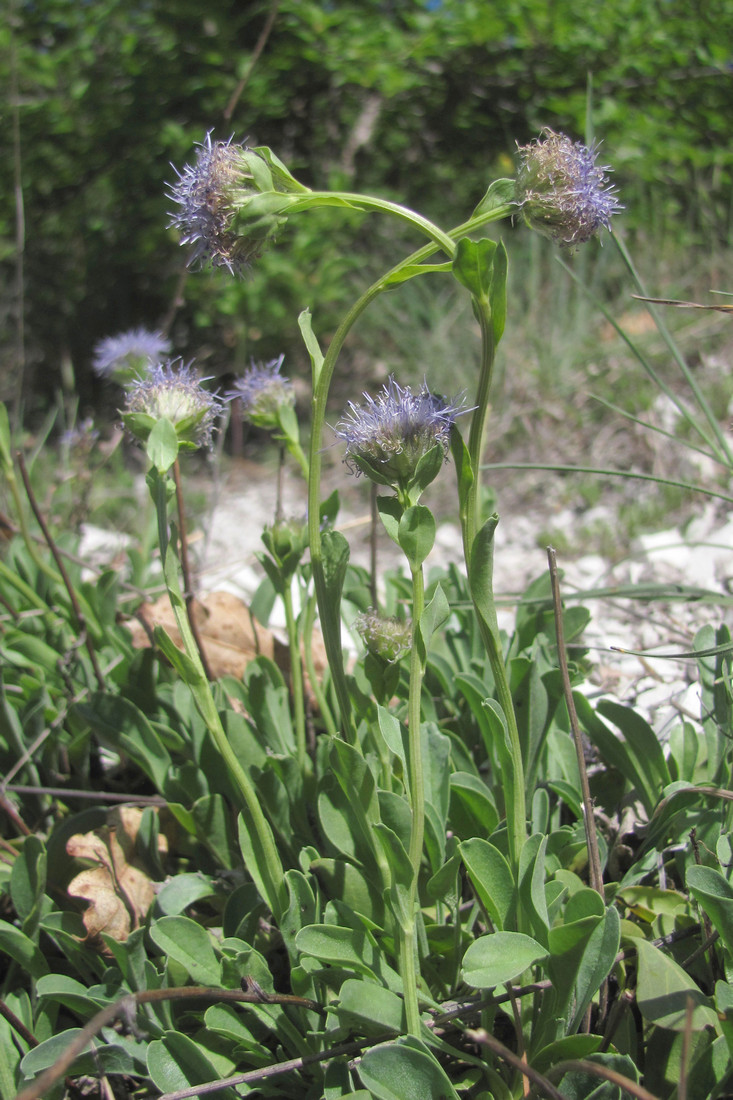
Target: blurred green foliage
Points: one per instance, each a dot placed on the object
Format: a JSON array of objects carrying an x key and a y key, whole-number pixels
[{"x": 412, "y": 98}]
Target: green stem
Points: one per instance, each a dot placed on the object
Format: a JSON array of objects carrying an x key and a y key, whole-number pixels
[
  {"x": 296, "y": 677},
  {"x": 368, "y": 202},
  {"x": 512, "y": 779},
  {"x": 315, "y": 682},
  {"x": 416, "y": 795},
  {"x": 322, "y": 384},
  {"x": 270, "y": 870}
]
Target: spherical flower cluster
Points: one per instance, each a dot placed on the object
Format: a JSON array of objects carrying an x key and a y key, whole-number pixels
[
  {"x": 79, "y": 441},
  {"x": 173, "y": 390},
  {"x": 388, "y": 437},
  {"x": 384, "y": 636},
  {"x": 563, "y": 193},
  {"x": 129, "y": 353},
  {"x": 209, "y": 192},
  {"x": 264, "y": 393}
]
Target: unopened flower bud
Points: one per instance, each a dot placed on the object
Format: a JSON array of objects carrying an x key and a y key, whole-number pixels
[
  {"x": 384, "y": 637},
  {"x": 562, "y": 192}
]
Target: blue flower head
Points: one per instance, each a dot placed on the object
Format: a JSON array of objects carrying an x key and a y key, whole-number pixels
[
  {"x": 399, "y": 438},
  {"x": 172, "y": 390},
  {"x": 562, "y": 192},
  {"x": 264, "y": 393},
  {"x": 210, "y": 193},
  {"x": 129, "y": 353}
]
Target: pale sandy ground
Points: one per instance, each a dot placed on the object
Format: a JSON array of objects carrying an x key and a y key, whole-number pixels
[{"x": 663, "y": 690}]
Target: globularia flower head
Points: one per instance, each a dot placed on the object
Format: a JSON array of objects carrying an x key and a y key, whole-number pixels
[
  {"x": 399, "y": 438},
  {"x": 264, "y": 393},
  {"x": 383, "y": 636},
  {"x": 79, "y": 441},
  {"x": 563, "y": 193},
  {"x": 129, "y": 353},
  {"x": 210, "y": 193},
  {"x": 172, "y": 390}
]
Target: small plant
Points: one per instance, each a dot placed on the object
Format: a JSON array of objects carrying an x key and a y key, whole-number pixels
[{"x": 398, "y": 878}]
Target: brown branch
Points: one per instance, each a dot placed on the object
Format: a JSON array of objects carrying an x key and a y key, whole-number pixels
[
  {"x": 94, "y": 796},
  {"x": 80, "y": 620},
  {"x": 17, "y": 1024},
  {"x": 259, "y": 47},
  {"x": 595, "y": 1069},
  {"x": 481, "y": 1036}
]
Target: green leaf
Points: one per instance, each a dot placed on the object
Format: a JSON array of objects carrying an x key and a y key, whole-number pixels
[
  {"x": 28, "y": 883},
  {"x": 491, "y": 878},
  {"x": 472, "y": 809},
  {"x": 257, "y": 862},
  {"x": 189, "y": 944},
  {"x": 189, "y": 671},
  {"x": 715, "y": 896},
  {"x": 342, "y": 880},
  {"x": 597, "y": 962},
  {"x": 22, "y": 950},
  {"x": 473, "y": 264},
  {"x": 162, "y": 445},
  {"x": 342, "y": 947},
  {"x": 663, "y": 990},
  {"x": 500, "y": 957},
  {"x": 121, "y": 725},
  {"x": 176, "y": 1062},
  {"x": 404, "y": 1071},
  {"x": 416, "y": 534},
  {"x": 532, "y": 896},
  {"x": 183, "y": 890},
  {"x": 391, "y": 730},
  {"x": 107, "y": 1056},
  {"x": 497, "y": 292},
  {"x": 370, "y": 1006},
  {"x": 500, "y": 193},
  {"x": 644, "y": 744},
  {"x": 390, "y": 511},
  {"x": 335, "y": 550},
  {"x": 436, "y": 613},
  {"x": 6, "y": 459},
  {"x": 311, "y": 343}
]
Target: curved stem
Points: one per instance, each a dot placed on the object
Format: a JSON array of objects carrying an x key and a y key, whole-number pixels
[
  {"x": 368, "y": 202},
  {"x": 321, "y": 388}
]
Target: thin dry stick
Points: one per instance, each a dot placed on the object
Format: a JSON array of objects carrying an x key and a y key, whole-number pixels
[
  {"x": 18, "y": 1025},
  {"x": 7, "y": 807},
  {"x": 480, "y": 1035},
  {"x": 80, "y": 620},
  {"x": 261, "y": 43},
  {"x": 186, "y": 570},
  {"x": 92, "y": 796},
  {"x": 606, "y": 1074},
  {"x": 596, "y": 875},
  {"x": 124, "y": 1010}
]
